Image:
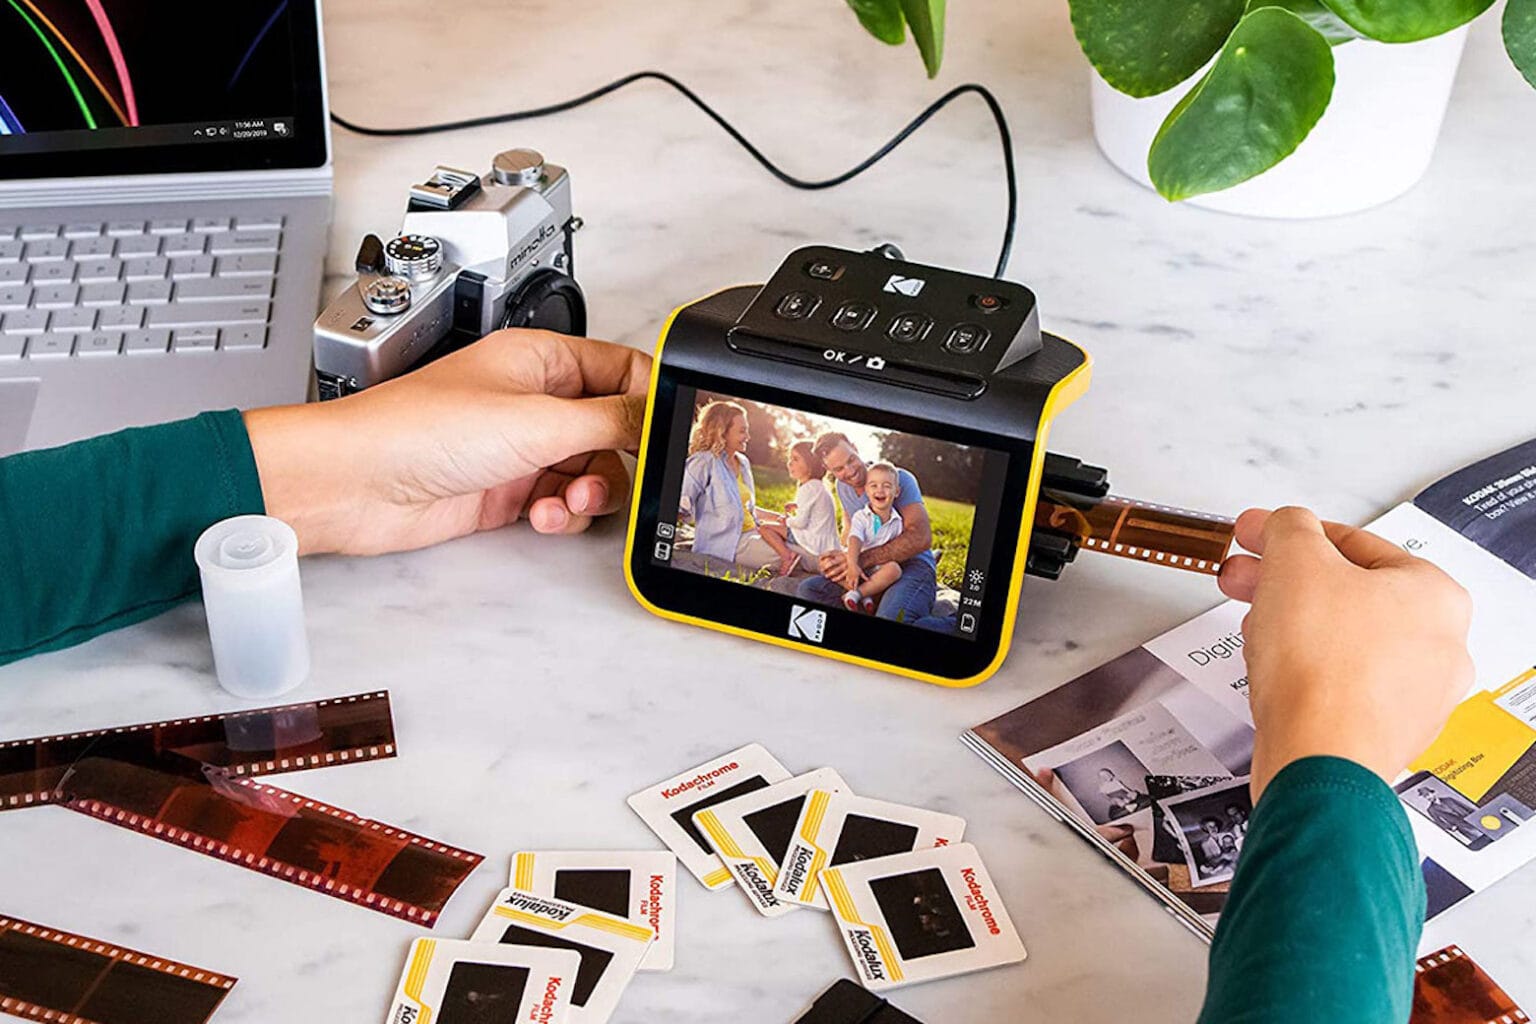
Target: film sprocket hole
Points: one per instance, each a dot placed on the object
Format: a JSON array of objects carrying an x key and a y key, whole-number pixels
[
  {"x": 854, "y": 394},
  {"x": 474, "y": 254}
]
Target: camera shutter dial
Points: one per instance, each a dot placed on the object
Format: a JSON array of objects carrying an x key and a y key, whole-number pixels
[
  {"x": 387, "y": 296},
  {"x": 518, "y": 167},
  {"x": 413, "y": 256}
]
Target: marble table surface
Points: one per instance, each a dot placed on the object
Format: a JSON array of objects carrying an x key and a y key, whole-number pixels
[{"x": 1341, "y": 363}]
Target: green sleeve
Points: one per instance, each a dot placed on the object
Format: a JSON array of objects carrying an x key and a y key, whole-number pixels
[
  {"x": 1326, "y": 908},
  {"x": 98, "y": 534}
]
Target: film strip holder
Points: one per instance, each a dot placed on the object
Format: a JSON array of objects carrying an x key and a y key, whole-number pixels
[{"x": 1075, "y": 511}]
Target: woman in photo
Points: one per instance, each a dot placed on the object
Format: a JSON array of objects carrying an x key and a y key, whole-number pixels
[
  {"x": 719, "y": 496},
  {"x": 809, "y": 523}
]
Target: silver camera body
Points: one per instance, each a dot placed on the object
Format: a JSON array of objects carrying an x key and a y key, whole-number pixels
[{"x": 474, "y": 254}]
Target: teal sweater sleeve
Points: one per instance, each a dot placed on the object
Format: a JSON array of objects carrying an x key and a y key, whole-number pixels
[
  {"x": 98, "y": 534},
  {"x": 1326, "y": 908}
]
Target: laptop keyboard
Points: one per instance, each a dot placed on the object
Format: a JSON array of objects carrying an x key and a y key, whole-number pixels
[{"x": 137, "y": 288}]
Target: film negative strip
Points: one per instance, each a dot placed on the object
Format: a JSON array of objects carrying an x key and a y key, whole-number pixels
[
  {"x": 64, "y": 978},
  {"x": 190, "y": 782},
  {"x": 263, "y": 828},
  {"x": 1161, "y": 534},
  {"x": 1451, "y": 989},
  {"x": 264, "y": 741}
]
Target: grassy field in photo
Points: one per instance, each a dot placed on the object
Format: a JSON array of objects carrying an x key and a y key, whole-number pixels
[{"x": 951, "y": 520}]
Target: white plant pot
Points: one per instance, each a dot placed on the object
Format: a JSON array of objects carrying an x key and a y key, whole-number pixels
[{"x": 1373, "y": 144}]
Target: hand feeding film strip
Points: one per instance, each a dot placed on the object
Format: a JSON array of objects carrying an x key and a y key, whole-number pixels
[
  {"x": 263, "y": 741},
  {"x": 1449, "y": 988},
  {"x": 1175, "y": 537},
  {"x": 187, "y": 782},
  {"x": 64, "y": 978}
]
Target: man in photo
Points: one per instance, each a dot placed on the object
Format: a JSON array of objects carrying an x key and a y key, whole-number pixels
[
  {"x": 1237, "y": 821},
  {"x": 1448, "y": 813},
  {"x": 910, "y": 598}
]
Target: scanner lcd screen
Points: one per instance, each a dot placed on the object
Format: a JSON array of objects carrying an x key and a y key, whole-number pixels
[{"x": 769, "y": 496}]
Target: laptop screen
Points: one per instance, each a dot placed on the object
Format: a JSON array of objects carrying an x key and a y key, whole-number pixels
[{"x": 156, "y": 86}]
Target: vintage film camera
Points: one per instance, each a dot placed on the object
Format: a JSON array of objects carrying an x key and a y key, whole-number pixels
[
  {"x": 474, "y": 254},
  {"x": 860, "y": 358}
]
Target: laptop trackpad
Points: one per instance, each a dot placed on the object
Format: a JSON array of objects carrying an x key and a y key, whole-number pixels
[{"x": 18, "y": 397}]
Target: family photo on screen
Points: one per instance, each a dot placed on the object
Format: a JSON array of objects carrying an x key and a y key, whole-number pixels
[{"x": 827, "y": 511}]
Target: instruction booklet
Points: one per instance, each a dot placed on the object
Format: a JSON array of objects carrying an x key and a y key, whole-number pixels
[{"x": 1148, "y": 756}]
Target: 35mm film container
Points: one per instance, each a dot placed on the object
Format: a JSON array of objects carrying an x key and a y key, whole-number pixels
[{"x": 250, "y": 572}]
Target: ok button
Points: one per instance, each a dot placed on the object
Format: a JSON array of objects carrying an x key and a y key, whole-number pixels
[
  {"x": 796, "y": 306},
  {"x": 853, "y": 316}
]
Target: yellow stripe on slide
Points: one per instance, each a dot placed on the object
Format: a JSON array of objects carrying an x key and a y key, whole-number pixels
[
  {"x": 416, "y": 976},
  {"x": 623, "y": 929},
  {"x": 715, "y": 879},
  {"x": 724, "y": 844},
  {"x": 842, "y": 899},
  {"x": 813, "y": 877},
  {"x": 523, "y": 872},
  {"x": 817, "y": 810}
]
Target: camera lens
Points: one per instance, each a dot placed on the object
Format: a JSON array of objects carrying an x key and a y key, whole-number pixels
[{"x": 548, "y": 301}]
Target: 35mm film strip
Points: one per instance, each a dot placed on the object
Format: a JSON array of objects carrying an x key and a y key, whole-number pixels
[
  {"x": 1175, "y": 537},
  {"x": 1449, "y": 988},
  {"x": 63, "y": 978},
  {"x": 189, "y": 782},
  {"x": 263, "y": 741}
]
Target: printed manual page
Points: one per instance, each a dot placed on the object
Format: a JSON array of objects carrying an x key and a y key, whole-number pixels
[{"x": 1148, "y": 755}]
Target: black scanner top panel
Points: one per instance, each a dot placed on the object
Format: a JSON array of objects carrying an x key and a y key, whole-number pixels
[
  {"x": 771, "y": 337},
  {"x": 866, "y": 306}
]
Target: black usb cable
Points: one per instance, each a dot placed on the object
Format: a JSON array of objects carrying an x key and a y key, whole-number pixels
[{"x": 1004, "y": 136}]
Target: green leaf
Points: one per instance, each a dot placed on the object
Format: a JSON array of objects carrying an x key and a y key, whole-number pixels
[
  {"x": 1520, "y": 36},
  {"x": 1333, "y": 28},
  {"x": 1269, "y": 85},
  {"x": 1144, "y": 47},
  {"x": 926, "y": 18},
  {"x": 882, "y": 18},
  {"x": 1406, "y": 21}
]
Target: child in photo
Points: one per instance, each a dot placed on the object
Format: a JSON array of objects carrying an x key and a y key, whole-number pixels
[
  {"x": 808, "y": 525},
  {"x": 871, "y": 526}
]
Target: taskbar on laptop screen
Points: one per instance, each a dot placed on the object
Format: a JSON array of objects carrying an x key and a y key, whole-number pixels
[
  {"x": 259, "y": 129},
  {"x": 128, "y": 86}
]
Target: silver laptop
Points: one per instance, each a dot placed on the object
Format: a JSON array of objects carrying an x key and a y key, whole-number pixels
[{"x": 165, "y": 187}]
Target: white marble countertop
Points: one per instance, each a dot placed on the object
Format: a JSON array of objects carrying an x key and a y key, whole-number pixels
[{"x": 1340, "y": 363}]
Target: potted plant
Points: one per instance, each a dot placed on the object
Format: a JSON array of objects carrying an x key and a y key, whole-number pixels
[{"x": 1222, "y": 102}]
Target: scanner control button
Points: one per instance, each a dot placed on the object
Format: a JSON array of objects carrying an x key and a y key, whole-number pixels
[
  {"x": 989, "y": 303},
  {"x": 796, "y": 306},
  {"x": 823, "y": 270},
  {"x": 853, "y": 316},
  {"x": 966, "y": 339},
  {"x": 909, "y": 327}
]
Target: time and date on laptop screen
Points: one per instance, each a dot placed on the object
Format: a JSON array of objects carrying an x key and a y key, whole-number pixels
[{"x": 112, "y": 74}]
